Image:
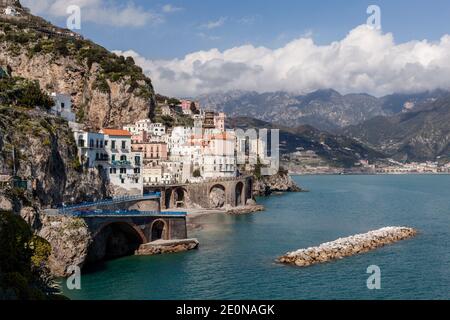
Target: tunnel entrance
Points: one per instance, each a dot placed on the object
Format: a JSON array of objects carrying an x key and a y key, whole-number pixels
[
  {"x": 168, "y": 199},
  {"x": 179, "y": 198},
  {"x": 158, "y": 230},
  {"x": 238, "y": 194},
  {"x": 113, "y": 241}
]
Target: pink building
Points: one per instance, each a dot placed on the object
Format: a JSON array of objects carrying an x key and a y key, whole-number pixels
[
  {"x": 140, "y": 137},
  {"x": 152, "y": 150},
  {"x": 186, "y": 105}
]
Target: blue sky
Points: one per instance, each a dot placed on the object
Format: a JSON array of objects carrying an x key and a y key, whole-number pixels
[
  {"x": 197, "y": 47},
  {"x": 267, "y": 23}
]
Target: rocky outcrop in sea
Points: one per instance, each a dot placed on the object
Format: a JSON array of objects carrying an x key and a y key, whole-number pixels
[
  {"x": 167, "y": 246},
  {"x": 280, "y": 182},
  {"x": 346, "y": 247}
]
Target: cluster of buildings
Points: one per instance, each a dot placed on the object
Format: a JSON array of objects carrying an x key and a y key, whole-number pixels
[
  {"x": 149, "y": 154},
  {"x": 428, "y": 167}
]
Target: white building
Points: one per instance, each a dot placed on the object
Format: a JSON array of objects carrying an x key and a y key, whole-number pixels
[
  {"x": 146, "y": 125},
  {"x": 219, "y": 160},
  {"x": 63, "y": 106},
  {"x": 153, "y": 175},
  {"x": 125, "y": 165},
  {"x": 91, "y": 149}
]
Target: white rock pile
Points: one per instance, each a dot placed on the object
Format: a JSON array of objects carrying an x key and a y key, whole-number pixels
[{"x": 346, "y": 247}]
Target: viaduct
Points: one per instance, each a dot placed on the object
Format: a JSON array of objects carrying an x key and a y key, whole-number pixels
[{"x": 211, "y": 194}]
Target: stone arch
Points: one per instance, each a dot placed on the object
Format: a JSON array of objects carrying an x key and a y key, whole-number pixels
[
  {"x": 239, "y": 194},
  {"x": 180, "y": 197},
  {"x": 159, "y": 230},
  {"x": 217, "y": 196},
  {"x": 114, "y": 240}
]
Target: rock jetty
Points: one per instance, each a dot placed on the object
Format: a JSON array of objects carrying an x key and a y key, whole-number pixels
[
  {"x": 346, "y": 247},
  {"x": 167, "y": 246}
]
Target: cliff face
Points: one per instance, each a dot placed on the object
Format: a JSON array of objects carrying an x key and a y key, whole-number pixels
[
  {"x": 69, "y": 238},
  {"x": 106, "y": 90},
  {"x": 46, "y": 156}
]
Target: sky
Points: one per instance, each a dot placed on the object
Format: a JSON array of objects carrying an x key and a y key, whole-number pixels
[{"x": 198, "y": 47}]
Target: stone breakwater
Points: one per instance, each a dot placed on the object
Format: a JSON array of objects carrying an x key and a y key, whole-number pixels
[
  {"x": 167, "y": 246},
  {"x": 346, "y": 247}
]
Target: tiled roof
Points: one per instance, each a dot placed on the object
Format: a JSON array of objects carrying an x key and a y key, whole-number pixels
[{"x": 116, "y": 132}]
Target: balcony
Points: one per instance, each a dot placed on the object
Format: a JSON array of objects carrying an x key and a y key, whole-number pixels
[{"x": 121, "y": 163}]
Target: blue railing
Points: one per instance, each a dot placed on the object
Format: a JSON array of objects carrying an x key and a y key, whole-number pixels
[
  {"x": 97, "y": 213},
  {"x": 151, "y": 195}
]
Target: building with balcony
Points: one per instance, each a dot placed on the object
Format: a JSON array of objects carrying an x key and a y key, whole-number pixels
[
  {"x": 91, "y": 149},
  {"x": 125, "y": 166}
]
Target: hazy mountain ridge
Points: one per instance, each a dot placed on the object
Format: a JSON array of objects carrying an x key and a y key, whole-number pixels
[
  {"x": 418, "y": 135},
  {"x": 324, "y": 109},
  {"x": 337, "y": 150}
]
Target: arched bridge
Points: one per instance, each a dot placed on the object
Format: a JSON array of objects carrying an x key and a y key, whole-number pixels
[
  {"x": 210, "y": 194},
  {"x": 115, "y": 234},
  {"x": 119, "y": 226}
]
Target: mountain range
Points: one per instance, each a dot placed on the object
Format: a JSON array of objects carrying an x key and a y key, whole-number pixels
[
  {"x": 323, "y": 109},
  {"x": 420, "y": 134},
  {"x": 336, "y": 150},
  {"x": 406, "y": 127}
]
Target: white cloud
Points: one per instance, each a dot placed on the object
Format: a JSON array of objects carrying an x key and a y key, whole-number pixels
[
  {"x": 214, "y": 24},
  {"x": 97, "y": 11},
  {"x": 168, "y": 8},
  {"x": 366, "y": 60}
]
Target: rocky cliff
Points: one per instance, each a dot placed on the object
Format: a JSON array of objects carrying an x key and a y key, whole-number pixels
[
  {"x": 280, "y": 182},
  {"x": 23, "y": 262},
  {"x": 107, "y": 90},
  {"x": 45, "y": 155}
]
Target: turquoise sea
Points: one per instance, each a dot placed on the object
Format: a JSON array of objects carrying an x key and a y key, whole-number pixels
[{"x": 236, "y": 256}]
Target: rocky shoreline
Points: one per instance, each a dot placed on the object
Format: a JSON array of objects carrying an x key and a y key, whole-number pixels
[{"x": 346, "y": 247}]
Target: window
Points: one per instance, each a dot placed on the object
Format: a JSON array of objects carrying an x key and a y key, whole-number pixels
[
  {"x": 113, "y": 144},
  {"x": 124, "y": 144},
  {"x": 137, "y": 170},
  {"x": 91, "y": 143},
  {"x": 106, "y": 143},
  {"x": 122, "y": 181},
  {"x": 137, "y": 160},
  {"x": 62, "y": 105},
  {"x": 123, "y": 158},
  {"x": 123, "y": 170},
  {"x": 113, "y": 157},
  {"x": 112, "y": 171}
]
